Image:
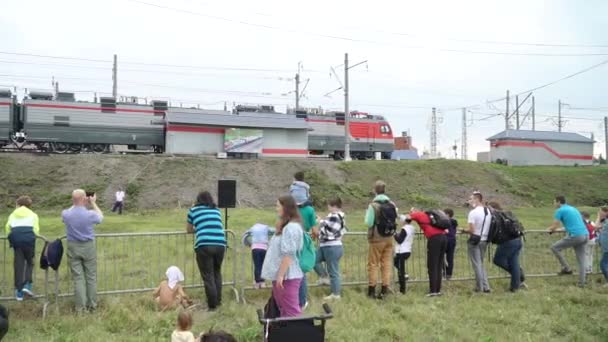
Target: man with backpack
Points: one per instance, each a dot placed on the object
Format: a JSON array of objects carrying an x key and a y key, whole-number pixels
[
  {"x": 479, "y": 221},
  {"x": 434, "y": 224},
  {"x": 381, "y": 220},
  {"x": 506, "y": 232}
]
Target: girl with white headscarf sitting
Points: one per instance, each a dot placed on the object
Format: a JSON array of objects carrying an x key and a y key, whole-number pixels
[{"x": 170, "y": 294}]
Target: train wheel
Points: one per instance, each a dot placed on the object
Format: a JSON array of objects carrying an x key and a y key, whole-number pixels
[
  {"x": 75, "y": 148},
  {"x": 99, "y": 148},
  {"x": 60, "y": 147}
]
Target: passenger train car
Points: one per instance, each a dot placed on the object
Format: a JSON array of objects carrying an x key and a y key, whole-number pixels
[{"x": 58, "y": 123}]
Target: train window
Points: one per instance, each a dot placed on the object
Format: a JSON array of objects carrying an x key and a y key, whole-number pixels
[
  {"x": 61, "y": 121},
  {"x": 108, "y": 105},
  {"x": 385, "y": 129},
  {"x": 340, "y": 119}
]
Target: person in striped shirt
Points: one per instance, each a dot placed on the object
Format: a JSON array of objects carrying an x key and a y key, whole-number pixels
[{"x": 205, "y": 221}]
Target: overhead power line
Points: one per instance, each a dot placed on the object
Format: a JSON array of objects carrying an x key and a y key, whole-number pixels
[{"x": 356, "y": 40}]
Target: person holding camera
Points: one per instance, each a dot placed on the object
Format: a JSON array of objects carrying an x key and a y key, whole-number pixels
[
  {"x": 479, "y": 221},
  {"x": 79, "y": 223}
]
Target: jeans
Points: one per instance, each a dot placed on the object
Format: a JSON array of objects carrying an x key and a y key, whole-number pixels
[
  {"x": 331, "y": 256},
  {"x": 380, "y": 256},
  {"x": 258, "y": 256},
  {"x": 400, "y": 259},
  {"x": 578, "y": 243},
  {"x": 117, "y": 205},
  {"x": 604, "y": 265},
  {"x": 286, "y": 297},
  {"x": 435, "y": 256},
  {"x": 449, "y": 256},
  {"x": 507, "y": 258},
  {"x": 209, "y": 260},
  {"x": 23, "y": 265},
  {"x": 476, "y": 256},
  {"x": 82, "y": 257},
  {"x": 303, "y": 291},
  {"x": 589, "y": 249}
]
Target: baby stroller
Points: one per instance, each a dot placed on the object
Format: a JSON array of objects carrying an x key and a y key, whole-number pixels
[{"x": 295, "y": 329}]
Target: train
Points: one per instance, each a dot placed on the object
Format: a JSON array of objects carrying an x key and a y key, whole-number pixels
[{"x": 58, "y": 123}]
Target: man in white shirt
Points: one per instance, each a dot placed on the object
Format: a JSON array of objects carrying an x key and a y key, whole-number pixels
[
  {"x": 118, "y": 204},
  {"x": 479, "y": 221}
]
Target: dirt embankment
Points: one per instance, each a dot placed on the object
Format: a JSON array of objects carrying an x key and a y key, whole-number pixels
[{"x": 168, "y": 182}]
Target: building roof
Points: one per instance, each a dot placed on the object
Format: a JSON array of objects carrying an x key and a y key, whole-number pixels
[
  {"x": 405, "y": 155},
  {"x": 513, "y": 134},
  {"x": 227, "y": 119}
]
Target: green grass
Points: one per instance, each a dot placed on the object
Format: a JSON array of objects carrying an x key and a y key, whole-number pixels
[{"x": 553, "y": 308}]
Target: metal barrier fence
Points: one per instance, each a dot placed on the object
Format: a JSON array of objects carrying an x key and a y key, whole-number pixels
[
  {"x": 129, "y": 263},
  {"x": 136, "y": 262},
  {"x": 536, "y": 259}
]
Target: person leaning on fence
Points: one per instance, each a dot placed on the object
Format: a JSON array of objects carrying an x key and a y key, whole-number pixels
[
  {"x": 256, "y": 238},
  {"x": 82, "y": 253},
  {"x": 602, "y": 223},
  {"x": 590, "y": 247},
  {"x": 437, "y": 244},
  {"x": 330, "y": 251},
  {"x": 282, "y": 264},
  {"x": 170, "y": 293},
  {"x": 403, "y": 250},
  {"x": 577, "y": 236},
  {"x": 479, "y": 221},
  {"x": 508, "y": 251},
  {"x": 205, "y": 221},
  {"x": 22, "y": 228},
  {"x": 449, "y": 253},
  {"x": 381, "y": 221}
]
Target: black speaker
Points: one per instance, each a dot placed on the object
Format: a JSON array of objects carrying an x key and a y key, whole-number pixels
[{"x": 226, "y": 193}]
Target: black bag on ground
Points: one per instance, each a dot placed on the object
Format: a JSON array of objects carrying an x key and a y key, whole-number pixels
[
  {"x": 386, "y": 220},
  {"x": 271, "y": 309},
  {"x": 505, "y": 226},
  {"x": 439, "y": 219}
]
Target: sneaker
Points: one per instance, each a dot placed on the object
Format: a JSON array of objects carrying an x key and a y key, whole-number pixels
[
  {"x": 448, "y": 278},
  {"x": 18, "y": 295},
  {"x": 323, "y": 281},
  {"x": 332, "y": 297},
  {"x": 523, "y": 286},
  {"x": 487, "y": 291},
  {"x": 262, "y": 285},
  {"x": 564, "y": 272},
  {"x": 407, "y": 276},
  {"x": 433, "y": 294},
  {"x": 27, "y": 290}
]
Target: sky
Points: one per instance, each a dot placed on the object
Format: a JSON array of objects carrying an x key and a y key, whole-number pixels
[{"x": 419, "y": 55}]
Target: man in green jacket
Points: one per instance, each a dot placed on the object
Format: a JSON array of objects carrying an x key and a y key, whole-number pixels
[
  {"x": 380, "y": 252},
  {"x": 22, "y": 228}
]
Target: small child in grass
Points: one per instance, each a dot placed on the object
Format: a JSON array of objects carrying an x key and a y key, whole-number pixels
[
  {"x": 182, "y": 332},
  {"x": 169, "y": 294},
  {"x": 257, "y": 238}
]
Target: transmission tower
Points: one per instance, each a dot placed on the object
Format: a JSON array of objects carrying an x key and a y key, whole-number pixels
[{"x": 463, "y": 139}]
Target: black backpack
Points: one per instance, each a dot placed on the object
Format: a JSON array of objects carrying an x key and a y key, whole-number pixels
[
  {"x": 386, "y": 220},
  {"x": 439, "y": 219},
  {"x": 504, "y": 227}
]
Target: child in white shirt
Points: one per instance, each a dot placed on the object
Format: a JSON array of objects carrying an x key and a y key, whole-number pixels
[{"x": 403, "y": 249}]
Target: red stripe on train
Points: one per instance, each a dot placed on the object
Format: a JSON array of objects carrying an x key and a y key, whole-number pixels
[
  {"x": 118, "y": 109},
  {"x": 543, "y": 146}
]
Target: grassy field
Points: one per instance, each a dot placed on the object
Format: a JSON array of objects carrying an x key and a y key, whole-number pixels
[{"x": 552, "y": 309}]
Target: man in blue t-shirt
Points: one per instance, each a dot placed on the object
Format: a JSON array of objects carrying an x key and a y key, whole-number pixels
[{"x": 577, "y": 236}]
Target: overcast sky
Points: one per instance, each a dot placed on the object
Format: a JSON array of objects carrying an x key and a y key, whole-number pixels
[{"x": 446, "y": 54}]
